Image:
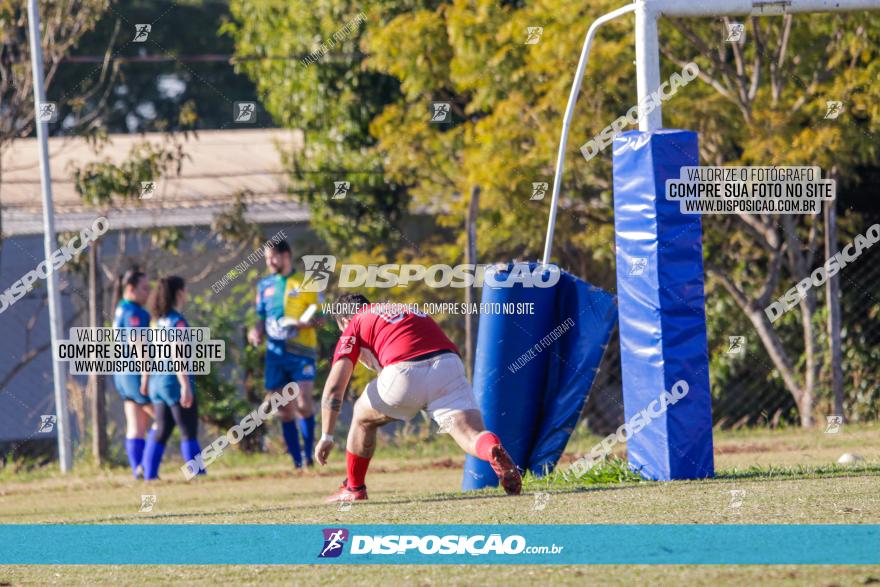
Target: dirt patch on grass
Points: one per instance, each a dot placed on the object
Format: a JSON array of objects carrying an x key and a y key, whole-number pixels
[{"x": 747, "y": 447}]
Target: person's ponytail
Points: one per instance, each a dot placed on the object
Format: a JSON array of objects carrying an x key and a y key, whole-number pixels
[{"x": 164, "y": 295}]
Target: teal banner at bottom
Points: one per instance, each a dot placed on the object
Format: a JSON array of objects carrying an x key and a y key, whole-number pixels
[{"x": 241, "y": 544}]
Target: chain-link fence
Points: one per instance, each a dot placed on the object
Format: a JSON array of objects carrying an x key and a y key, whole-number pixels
[{"x": 750, "y": 392}]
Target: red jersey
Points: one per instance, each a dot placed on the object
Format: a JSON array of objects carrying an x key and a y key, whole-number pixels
[{"x": 391, "y": 334}]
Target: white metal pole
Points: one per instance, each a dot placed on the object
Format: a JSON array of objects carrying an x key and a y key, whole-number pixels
[
  {"x": 566, "y": 122},
  {"x": 62, "y": 424},
  {"x": 647, "y": 66},
  {"x": 712, "y": 8}
]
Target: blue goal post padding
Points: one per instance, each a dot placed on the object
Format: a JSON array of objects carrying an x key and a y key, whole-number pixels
[
  {"x": 532, "y": 372},
  {"x": 662, "y": 308}
]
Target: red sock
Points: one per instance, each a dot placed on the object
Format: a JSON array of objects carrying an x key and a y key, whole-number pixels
[
  {"x": 357, "y": 469},
  {"x": 485, "y": 442}
]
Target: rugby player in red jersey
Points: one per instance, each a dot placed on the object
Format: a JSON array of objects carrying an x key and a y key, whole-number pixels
[{"x": 419, "y": 369}]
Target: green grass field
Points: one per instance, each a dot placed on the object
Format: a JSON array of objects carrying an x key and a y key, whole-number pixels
[{"x": 779, "y": 477}]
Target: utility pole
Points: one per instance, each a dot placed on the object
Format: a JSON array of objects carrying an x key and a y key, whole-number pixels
[
  {"x": 56, "y": 322},
  {"x": 832, "y": 291},
  {"x": 96, "y": 381}
]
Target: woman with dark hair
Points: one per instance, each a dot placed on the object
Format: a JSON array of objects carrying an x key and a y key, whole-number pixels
[
  {"x": 171, "y": 393},
  {"x": 132, "y": 290}
]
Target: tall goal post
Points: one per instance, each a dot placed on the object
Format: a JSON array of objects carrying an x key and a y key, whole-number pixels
[{"x": 661, "y": 306}]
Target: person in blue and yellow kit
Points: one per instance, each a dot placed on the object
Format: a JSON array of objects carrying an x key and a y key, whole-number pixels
[
  {"x": 173, "y": 394},
  {"x": 132, "y": 291},
  {"x": 291, "y": 346}
]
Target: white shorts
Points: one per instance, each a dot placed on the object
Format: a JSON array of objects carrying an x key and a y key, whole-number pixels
[{"x": 437, "y": 385}]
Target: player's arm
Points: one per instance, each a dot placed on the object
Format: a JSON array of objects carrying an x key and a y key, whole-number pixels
[
  {"x": 145, "y": 376},
  {"x": 186, "y": 392},
  {"x": 331, "y": 405},
  {"x": 255, "y": 336}
]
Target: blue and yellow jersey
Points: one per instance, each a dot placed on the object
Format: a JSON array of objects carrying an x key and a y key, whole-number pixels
[{"x": 279, "y": 297}]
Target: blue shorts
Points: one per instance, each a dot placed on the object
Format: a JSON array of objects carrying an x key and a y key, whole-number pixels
[
  {"x": 129, "y": 388},
  {"x": 169, "y": 395},
  {"x": 289, "y": 367},
  {"x": 165, "y": 388}
]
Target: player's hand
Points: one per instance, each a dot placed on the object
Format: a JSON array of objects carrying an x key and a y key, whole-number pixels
[
  {"x": 254, "y": 337},
  {"x": 143, "y": 389},
  {"x": 186, "y": 397},
  {"x": 322, "y": 450}
]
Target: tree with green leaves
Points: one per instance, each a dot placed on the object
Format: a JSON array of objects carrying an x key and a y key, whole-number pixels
[
  {"x": 311, "y": 77},
  {"x": 764, "y": 102},
  {"x": 757, "y": 103}
]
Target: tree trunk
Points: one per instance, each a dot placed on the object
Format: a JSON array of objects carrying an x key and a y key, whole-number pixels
[
  {"x": 802, "y": 395},
  {"x": 805, "y": 407},
  {"x": 776, "y": 350},
  {"x": 799, "y": 265},
  {"x": 471, "y": 253},
  {"x": 811, "y": 359},
  {"x": 832, "y": 288},
  {"x": 96, "y": 382}
]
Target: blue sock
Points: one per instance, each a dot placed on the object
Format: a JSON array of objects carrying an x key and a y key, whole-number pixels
[
  {"x": 150, "y": 433},
  {"x": 307, "y": 429},
  {"x": 152, "y": 458},
  {"x": 291, "y": 437},
  {"x": 189, "y": 449},
  {"x": 135, "y": 449}
]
